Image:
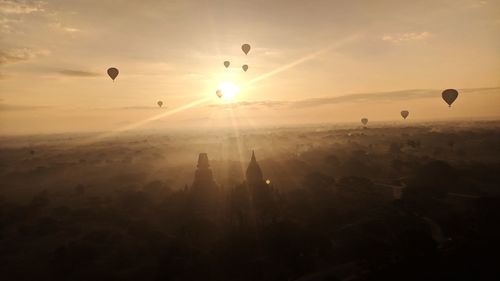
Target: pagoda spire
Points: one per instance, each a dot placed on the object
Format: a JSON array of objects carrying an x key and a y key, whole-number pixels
[{"x": 254, "y": 173}]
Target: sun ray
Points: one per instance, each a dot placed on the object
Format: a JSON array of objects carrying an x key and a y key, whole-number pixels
[
  {"x": 143, "y": 122},
  {"x": 331, "y": 47},
  {"x": 236, "y": 131}
]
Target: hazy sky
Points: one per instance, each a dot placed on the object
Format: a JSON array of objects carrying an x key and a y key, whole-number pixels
[{"x": 311, "y": 61}]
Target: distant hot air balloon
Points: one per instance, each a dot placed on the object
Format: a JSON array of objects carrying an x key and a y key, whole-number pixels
[
  {"x": 405, "y": 113},
  {"x": 449, "y": 96},
  {"x": 226, "y": 64},
  {"x": 364, "y": 121},
  {"x": 245, "y": 48},
  {"x": 113, "y": 73},
  {"x": 245, "y": 67},
  {"x": 219, "y": 93},
  {"x": 160, "y": 103}
]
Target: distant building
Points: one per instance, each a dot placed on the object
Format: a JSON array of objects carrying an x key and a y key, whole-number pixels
[
  {"x": 252, "y": 200},
  {"x": 254, "y": 175},
  {"x": 261, "y": 193},
  {"x": 203, "y": 177},
  {"x": 205, "y": 193}
]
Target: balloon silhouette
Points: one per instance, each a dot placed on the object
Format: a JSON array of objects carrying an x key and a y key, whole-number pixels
[
  {"x": 405, "y": 113},
  {"x": 160, "y": 103},
  {"x": 364, "y": 121},
  {"x": 449, "y": 96},
  {"x": 226, "y": 64},
  {"x": 245, "y": 67},
  {"x": 113, "y": 73},
  {"x": 245, "y": 48},
  {"x": 219, "y": 93}
]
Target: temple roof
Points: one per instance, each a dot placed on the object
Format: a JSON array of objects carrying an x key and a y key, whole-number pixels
[
  {"x": 203, "y": 161},
  {"x": 254, "y": 173}
]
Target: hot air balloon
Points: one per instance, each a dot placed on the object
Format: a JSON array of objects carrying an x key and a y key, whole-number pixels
[
  {"x": 113, "y": 73},
  {"x": 219, "y": 93},
  {"x": 405, "y": 113},
  {"x": 245, "y": 67},
  {"x": 226, "y": 64},
  {"x": 245, "y": 48},
  {"x": 160, "y": 103},
  {"x": 449, "y": 96},
  {"x": 364, "y": 121}
]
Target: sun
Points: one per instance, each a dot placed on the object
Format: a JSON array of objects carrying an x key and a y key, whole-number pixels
[{"x": 229, "y": 91}]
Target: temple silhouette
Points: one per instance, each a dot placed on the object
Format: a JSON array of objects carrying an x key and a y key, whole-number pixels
[{"x": 248, "y": 202}]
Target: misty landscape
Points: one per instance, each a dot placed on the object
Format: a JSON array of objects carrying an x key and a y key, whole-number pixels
[
  {"x": 236, "y": 140},
  {"x": 386, "y": 202}
]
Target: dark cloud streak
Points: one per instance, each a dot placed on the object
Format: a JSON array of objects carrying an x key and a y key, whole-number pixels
[
  {"x": 357, "y": 98},
  {"x": 78, "y": 73}
]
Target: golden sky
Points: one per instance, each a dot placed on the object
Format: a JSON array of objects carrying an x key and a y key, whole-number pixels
[{"x": 311, "y": 62}]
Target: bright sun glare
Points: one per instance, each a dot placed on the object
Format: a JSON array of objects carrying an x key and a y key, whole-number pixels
[{"x": 229, "y": 90}]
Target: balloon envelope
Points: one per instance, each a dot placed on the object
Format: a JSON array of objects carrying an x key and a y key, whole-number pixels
[
  {"x": 160, "y": 103},
  {"x": 364, "y": 121},
  {"x": 245, "y": 48},
  {"x": 245, "y": 67},
  {"x": 226, "y": 64},
  {"x": 113, "y": 72},
  {"x": 405, "y": 113},
  {"x": 219, "y": 93},
  {"x": 449, "y": 96}
]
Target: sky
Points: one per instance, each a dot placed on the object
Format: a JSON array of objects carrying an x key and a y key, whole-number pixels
[{"x": 310, "y": 62}]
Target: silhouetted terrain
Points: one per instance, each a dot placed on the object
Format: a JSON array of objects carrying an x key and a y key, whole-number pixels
[{"x": 381, "y": 203}]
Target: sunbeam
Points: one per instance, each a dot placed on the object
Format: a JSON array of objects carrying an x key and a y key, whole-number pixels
[
  {"x": 144, "y": 122},
  {"x": 302, "y": 60}
]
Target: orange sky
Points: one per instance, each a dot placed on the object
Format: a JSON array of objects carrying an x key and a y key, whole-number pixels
[{"x": 311, "y": 62}]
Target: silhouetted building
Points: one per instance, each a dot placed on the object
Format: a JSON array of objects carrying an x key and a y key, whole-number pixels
[
  {"x": 261, "y": 194},
  {"x": 203, "y": 177},
  {"x": 204, "y": 190},
  {"x": 254, "y": 173}
]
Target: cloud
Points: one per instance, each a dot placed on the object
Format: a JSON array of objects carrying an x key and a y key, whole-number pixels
[
  {"x": 406, "y": 37},
  {"x": 6, "y": 25},
  {"x": 20, "y": 7},
  {"x": 479, "y": 4},
  {"x": 368, "y": 97},
  {"x": 357, "y": 98},
  {"x": 388, "y": 96},
  {"x": 255, "y": 104},
  {"x": 11, "y": 107},
  {"x": 78, "y": 73},
  {"x": 60, "y": 26},
  {"x": 20, "y": 54},
  {"x": 138, "y": 107}
]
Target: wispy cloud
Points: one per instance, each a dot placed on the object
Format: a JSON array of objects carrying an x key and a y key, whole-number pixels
[
  {"x": 138, "y": 107},
  {"x": 20, "y": 54},
  {"x": 368, "y": 97},
  {"x": 249, "y": 104},
  {"x": 356, "y": 98},
  {"x": 78, "y": 73},
  {"x": 406, "y": 37},
  {"x": 20, "y": 6},
  {"x": 12, "y": 107},
  {"x": 479, "y": 4},
  {"x": 388, "y": 96},
  {"x": 60, "y": 26}
]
